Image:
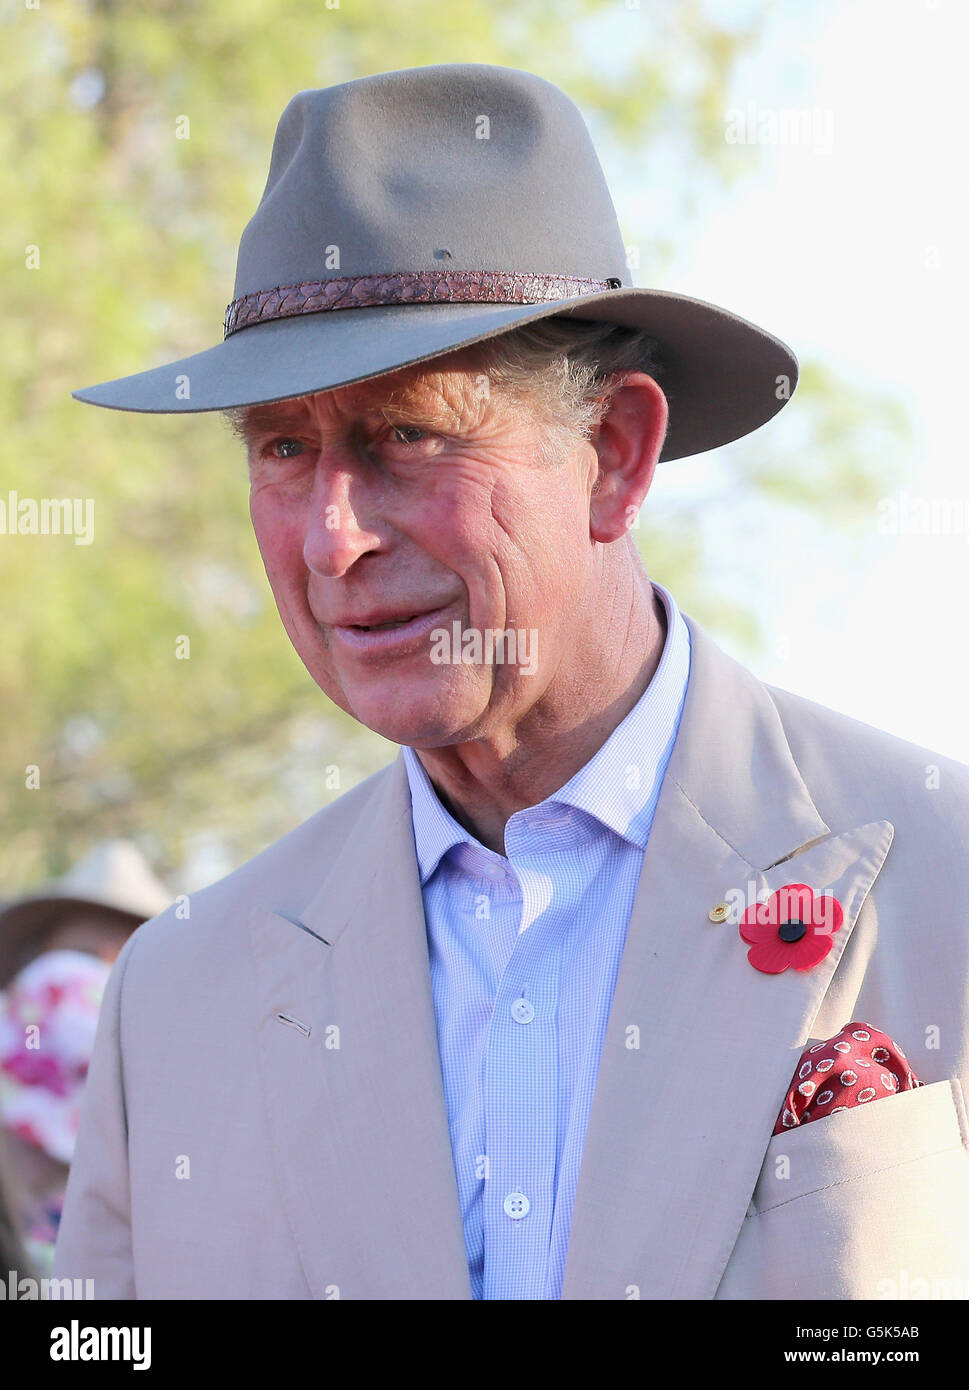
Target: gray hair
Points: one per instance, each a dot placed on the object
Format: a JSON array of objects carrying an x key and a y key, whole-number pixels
[{"x": 570, "y": 368}]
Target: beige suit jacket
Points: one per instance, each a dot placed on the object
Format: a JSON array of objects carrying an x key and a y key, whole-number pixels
[{"x": 265, "y": 1117}]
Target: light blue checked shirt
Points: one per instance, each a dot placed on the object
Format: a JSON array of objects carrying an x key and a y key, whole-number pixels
[{"x": 524, "y": 954}]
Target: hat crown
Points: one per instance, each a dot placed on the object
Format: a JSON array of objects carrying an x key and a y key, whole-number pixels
[
  {"x": 116, "y": 874},
  {"x": 453, "y": 167}
]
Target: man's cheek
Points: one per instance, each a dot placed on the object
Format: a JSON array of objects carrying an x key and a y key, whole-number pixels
[
  {"x": 287, "y": 580},
  {"x": 280, "y": 544}
]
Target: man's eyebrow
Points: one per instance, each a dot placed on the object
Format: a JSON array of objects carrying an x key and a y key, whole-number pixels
[
  {"x": 410, "y": 401},
  {"x": 249, "y": 422},
  {"x": 418, "y": 406}
]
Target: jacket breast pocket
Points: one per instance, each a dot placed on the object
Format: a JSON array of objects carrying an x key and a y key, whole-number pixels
[{"x": 872, "y": 1202}]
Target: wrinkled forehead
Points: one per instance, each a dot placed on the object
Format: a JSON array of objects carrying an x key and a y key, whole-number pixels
[{"x": 442, "y": 387}]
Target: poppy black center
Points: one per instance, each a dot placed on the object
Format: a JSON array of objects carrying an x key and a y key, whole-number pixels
[{"x": 792, "y": 931}]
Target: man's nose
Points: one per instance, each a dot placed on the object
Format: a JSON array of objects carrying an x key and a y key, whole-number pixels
[{"x": 339, "y": 524}]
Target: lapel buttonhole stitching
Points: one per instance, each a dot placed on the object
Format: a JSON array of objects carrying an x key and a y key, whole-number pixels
[{"x": 296, "y": 1023}]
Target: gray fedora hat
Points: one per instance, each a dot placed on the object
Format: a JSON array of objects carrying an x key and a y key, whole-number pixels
[{"x": 412, "y": 213}]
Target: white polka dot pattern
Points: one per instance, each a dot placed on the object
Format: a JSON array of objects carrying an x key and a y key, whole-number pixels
[{"x": 857, "y": 1049}]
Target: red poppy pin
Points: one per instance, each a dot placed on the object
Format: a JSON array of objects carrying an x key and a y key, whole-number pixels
[{"x": 792, "y": 929}]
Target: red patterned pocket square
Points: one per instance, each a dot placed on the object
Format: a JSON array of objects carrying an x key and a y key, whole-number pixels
[{"x": 856, "y": 1066}]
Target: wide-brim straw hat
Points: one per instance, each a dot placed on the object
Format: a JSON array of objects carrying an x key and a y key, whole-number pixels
[
  {"x": 412, "y": 213},
  {"x": 112, "y": 882}
]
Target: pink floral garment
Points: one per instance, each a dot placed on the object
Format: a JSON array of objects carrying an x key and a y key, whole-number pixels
[{"x": 48, "y": 1018}]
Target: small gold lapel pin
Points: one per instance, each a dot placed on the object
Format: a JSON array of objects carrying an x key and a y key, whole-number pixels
[{"x": 719, "y": 912}]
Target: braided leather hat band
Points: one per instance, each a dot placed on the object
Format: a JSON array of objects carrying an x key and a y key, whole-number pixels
[{"x": 406, "y": 287}]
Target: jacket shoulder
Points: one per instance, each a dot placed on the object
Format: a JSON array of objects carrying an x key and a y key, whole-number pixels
[
  {"x": 285, "y": 875},
  {"x": 856, "y": 772}
]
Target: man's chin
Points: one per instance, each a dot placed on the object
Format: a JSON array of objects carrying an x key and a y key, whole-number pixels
[{"x": 422, "y": 717}]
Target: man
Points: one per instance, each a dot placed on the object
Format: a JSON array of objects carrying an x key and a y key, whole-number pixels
[{"x": 516, "y": 1017}]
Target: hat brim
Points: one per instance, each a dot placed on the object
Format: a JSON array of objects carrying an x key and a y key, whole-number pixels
[
  {"x": 31, "y": 919},
  {"x": 723, "y": 377}
]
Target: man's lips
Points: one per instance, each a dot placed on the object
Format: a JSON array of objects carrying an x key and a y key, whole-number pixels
[
  {"x": 383, "y": 617},
  {"x": 407, "y": 629}
]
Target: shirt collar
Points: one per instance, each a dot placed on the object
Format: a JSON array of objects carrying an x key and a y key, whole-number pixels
[{"x": 618, "y": 785}]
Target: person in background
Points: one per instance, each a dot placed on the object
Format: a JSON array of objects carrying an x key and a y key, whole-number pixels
[
  {"x": 13, "y": 1256},
  {"x": 56, "y": 952}
]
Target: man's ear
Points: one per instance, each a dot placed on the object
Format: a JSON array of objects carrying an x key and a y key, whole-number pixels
[{"x": 628, "y": 444}]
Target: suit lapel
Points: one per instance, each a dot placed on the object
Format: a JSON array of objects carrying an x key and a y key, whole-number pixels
[
  {"x": 357, "y": 1109},
  {"x": 701, "y": 1046}
]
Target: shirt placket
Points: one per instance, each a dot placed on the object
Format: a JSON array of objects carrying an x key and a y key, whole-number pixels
[{"x": 520, "y": 1103}]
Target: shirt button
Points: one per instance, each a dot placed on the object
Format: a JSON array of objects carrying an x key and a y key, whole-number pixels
[
  {"x": 516, "y": 1205},
  {"x": 522, "y": 1011}
]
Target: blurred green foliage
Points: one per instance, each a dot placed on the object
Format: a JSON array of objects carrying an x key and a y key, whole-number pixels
[{"x": 136, "y": 232}]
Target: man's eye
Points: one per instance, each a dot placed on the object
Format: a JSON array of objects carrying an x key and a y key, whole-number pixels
[
  {"x": 407, "y": 434},
  {"x": 286, "y": 448}
]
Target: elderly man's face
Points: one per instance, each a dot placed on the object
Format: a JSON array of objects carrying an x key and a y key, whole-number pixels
[{"x": 421, "y": 496}]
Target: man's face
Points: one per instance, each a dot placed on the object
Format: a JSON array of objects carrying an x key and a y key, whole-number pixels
[{"x": 422, "y": 495}]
